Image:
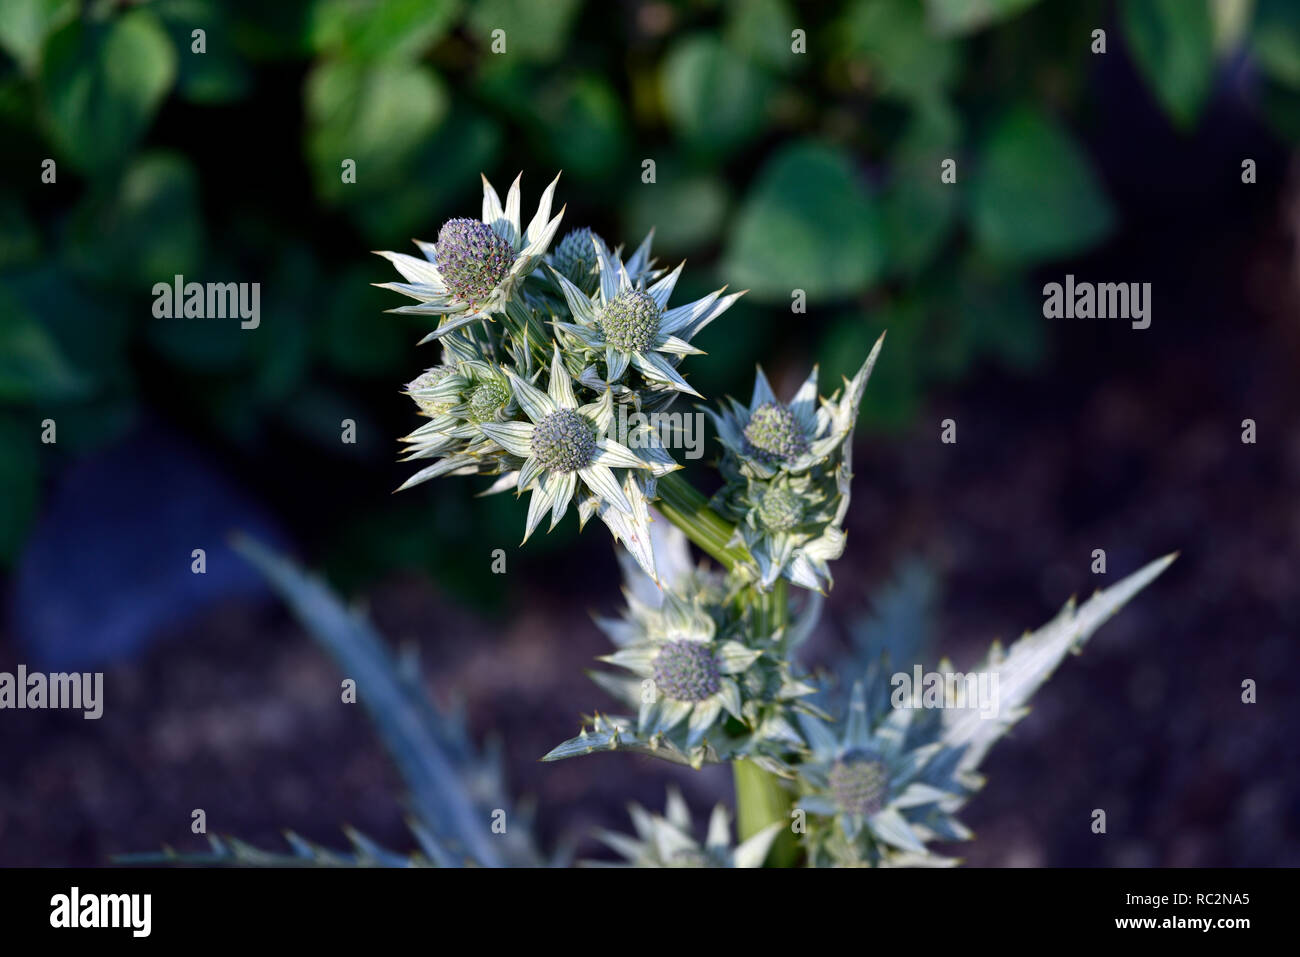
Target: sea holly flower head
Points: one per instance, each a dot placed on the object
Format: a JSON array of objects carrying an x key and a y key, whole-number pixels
[
  {"x": 630, "y": 321},
  {"x": 667, "y": 840},
  {"x": 575, "y": 259},
  {"x": 877, "y": 793},
  {"x": 695, "y": 664},
  {"x": 687, "y": 670},
  {"x": 485, "y": 396},
  {"x": 457, "y": 399},
  {"x": 769, "y": 437},
  {"x": 562, "y": 443},
  {"x": 787, "y": 473},
  {"x": 435, "y": 390},
  {"x": 859, "y": 783},
  {"x": 486, "y": 400},
  {"x": 476, "y": 266},
  {"x": 774, "y": 435},
  {"x": 779, "y": 508},
  {"x": 686, "y": 675},
  {"x": 626, "y": 323},
  {"x": 473, "y": 259},
  {"x": 790, "y": 524}
]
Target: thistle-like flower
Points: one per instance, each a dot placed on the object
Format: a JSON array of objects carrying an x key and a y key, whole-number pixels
[
  {"x": 694, "y": 664},
  {"x": 707, "y": 657},
  {"x": 668, "y": 639},
  {"x": 790, "y": 525},
  {"x": 787, "y": 473},
  {"x": 457, "y": 399},
  {"x": 885, "y": 795},
  {"x": 474, "y": 268},
  {"x": 629, "y": 323},
  {"x": 562, "y": 443},
  {"x": 686, "y": 675},
  {"x": 768, "y": 436},
  {"x": 575, "y": 259},
  {"x": 667, "y": 841}
]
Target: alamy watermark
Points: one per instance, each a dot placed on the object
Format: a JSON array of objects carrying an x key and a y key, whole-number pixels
[
  {"x": 79, "y": 691},
  {"x": 976, "y": 690},
  {"x": 133, "y": 912},
  {"x": 1102, "y": 300},
  {"x": 682, "y": 431},
  {"x": 213, "y": 300}
]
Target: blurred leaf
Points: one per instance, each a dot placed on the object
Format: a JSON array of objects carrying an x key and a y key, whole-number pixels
[
  {"x": 32, "y": 367},
  {"x": 432, "y": 532},
  {"x": 899, "y": 625},
  {"x": 217, "y": 75},
  {"x": 965, "y": 16},
  {"x": 1173, "y": 44},
  {"x": 93, "y": 423},
  {"x": 24, "y": 25},
  {"x": 979, "y": 312},
  {"x": 201, "y": 345},
  {"x": 895, "y": 391},
  {"x": 90, "y": 328},
  {"x": 317, "y": 412},
  {"x": 685, "y": 211},
  {"x": 280, "y": 343},
  {"x": 534, "y": 31},
  {"x": 19, "y": 242},
  {"x": 1230, "y": 21},
  {"x": 145, "y": 230},
  {"x": 231, "y": 408},
  {"x": 356, "y": 336},
  {"x": 919, "y": 209},
  {"x": 445, "y": 170},
  {"x": 270, "y": 31},
  {"x": 1005, "y": 322},
  {"x": 741, "y": 338},
  {"x": 911, "y": 60},
  {"x": 102, "y": 83},
  {"x": 232, "y": 852},
  {"x": 1281, "y": 108},
  {"x": 19, "y": 479},
  {"x": 760, "y": 30},
  {"x": 1275, "y": 40},
  {"x": 580, "y": 121},
  {"x": 380, "y": 29},
  {"x": 715, "y": 99},
  {"x": 1035, "y": 196},
  {"x": 378, "y": 115},
  {"x": 808, "y": 224},
  {"x": 423, "y": 744},
  {"x": 17, "y": 114},
  {"x": 1029, "y": 662}
]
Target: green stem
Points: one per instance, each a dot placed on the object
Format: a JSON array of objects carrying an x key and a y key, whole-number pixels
[
  {"x": 761, "y": 801},
  {"x": 771, "y": 608},
  {"x": 685, "y": 507}
]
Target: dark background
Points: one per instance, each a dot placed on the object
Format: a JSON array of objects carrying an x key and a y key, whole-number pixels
[{"x": 774, "y": 171}]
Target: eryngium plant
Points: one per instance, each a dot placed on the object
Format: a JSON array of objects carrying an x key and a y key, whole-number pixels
[{"x": 541, "y": 349}]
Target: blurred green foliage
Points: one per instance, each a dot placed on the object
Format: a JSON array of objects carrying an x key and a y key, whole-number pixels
[{"x": 796, "y": 147}]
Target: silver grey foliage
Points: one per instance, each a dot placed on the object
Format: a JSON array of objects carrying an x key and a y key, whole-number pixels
[
  {"x": 540, "y": 349},
  {"x": 705, "y": 658}
]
